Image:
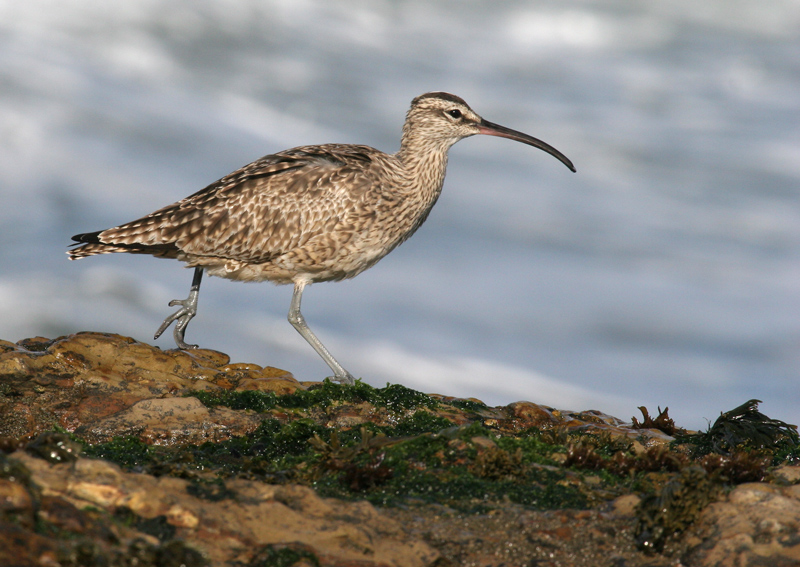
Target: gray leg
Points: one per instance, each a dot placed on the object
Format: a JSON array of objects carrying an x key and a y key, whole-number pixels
[
  {"x": 299, "y": 323},
  {"x": 185, "y": 314}
]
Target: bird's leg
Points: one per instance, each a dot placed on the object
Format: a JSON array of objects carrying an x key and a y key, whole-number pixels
[
  {"x": 299, "y": 323},
  {"x": 185, "y": 314}
]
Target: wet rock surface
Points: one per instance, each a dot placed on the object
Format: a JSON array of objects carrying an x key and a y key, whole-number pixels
[
  {"x": 77, "y": 381},
  {"x": 757, "y": 524},
  {"x": 224, "y": 528},
  {"x": 114, "y": 452}
]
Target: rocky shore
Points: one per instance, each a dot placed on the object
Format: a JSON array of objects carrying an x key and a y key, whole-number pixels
[{"x": 114, "y": 452}]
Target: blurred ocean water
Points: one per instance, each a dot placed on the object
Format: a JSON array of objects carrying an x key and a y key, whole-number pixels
[{"x": 665, "y": 272}]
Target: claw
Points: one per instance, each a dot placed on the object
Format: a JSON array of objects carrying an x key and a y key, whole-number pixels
[
  {"x": 345, "y": 378},
  {"x": 183, "y": 315}
]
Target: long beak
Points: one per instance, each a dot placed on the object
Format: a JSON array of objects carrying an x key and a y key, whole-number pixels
[{"x": 492, "y": 129}]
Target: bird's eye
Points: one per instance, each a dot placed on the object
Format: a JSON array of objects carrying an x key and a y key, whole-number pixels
[{"x": 455, "y": 113}]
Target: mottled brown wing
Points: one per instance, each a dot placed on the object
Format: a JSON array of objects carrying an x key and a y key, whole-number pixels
[{"x": 259, "y": 212}]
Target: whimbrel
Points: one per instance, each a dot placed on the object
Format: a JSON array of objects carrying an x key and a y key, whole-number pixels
[{"x": 306, "y": 215}]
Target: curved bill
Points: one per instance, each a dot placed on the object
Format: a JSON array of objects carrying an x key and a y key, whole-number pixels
[{"x": 492, "y": 129}]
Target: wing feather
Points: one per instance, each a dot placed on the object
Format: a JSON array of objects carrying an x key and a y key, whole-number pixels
[{"x": 263, "y": 210}]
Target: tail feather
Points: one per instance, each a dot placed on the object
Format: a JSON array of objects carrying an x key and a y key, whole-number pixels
[
  {"x": 93, "y": 237},
  {"x": 90, "y": 244}
]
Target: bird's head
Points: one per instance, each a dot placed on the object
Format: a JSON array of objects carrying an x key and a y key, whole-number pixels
[{"x": 442, "y": 119}]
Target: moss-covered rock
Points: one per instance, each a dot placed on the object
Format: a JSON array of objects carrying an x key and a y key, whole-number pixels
[{"x": 113, "y": 450}]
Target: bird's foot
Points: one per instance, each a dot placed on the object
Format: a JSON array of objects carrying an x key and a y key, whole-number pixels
[
  {"x": 183, "y": 315},
  {"x": 345, "y": 378}
]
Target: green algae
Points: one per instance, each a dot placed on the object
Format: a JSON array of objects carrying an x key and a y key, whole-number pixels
[
  {"x": 394, "y": 397},
  {"x": 423, "y": 457},
  {"x": 448, "y": 468},
  {"x": 469, "y": 405},
  {"x": 127, "y": 451},
  {"x": 249, "y": 399},
  {"x": 372, "y": 463},
  {"x": 416, "y": 424}
]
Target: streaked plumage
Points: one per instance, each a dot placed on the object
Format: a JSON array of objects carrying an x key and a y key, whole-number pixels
[{"x": 305, "y": 215}]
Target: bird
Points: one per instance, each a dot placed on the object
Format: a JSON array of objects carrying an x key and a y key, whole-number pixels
[{"x": 305, "y": 215}]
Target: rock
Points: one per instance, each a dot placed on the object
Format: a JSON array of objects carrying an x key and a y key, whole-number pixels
[
  {"x": 16, "y": 503},
  {"x": 23, "y": 548},
  {"x": 202, "y": 486},
  {"x": 78, "y": 381},
  {"x": 527, "y": 414},
  {"x": 625, "y": 506},
  {"x": 252, "y": 516},
  {"x": 757, "y": 524},
  {"x": 166, "y": 421},
  {"x": 788, "y": 473}
]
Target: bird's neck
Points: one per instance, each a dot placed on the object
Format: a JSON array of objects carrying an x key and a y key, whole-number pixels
[{"x": 425, "y": 163}]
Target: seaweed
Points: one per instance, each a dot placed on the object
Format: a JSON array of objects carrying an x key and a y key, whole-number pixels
[
  {"x": 494, "y": 463},
  {"x": 738, "y": 467},
  {"x": 583, "y": 455},
  {"x": 461, "y": 467},
  {"x": 743, "y": 427},
  {"x": 361, "y": 463},
  {"x": 423, "y": 457},
  {"x": 668, "y": 512},
  {"x": 663, "y": 422}
]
